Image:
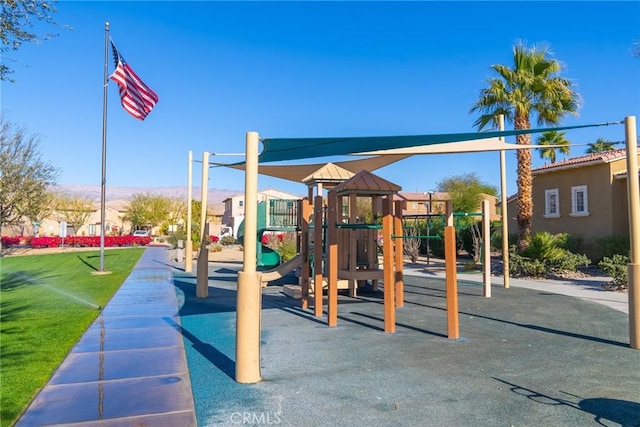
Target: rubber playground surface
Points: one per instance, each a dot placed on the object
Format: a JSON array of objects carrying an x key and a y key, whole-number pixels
[{"x": 526, "y": 357}]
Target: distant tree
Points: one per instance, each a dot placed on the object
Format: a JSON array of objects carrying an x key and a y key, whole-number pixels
[
  {"x": 146, "y": 211},
  {"x": 177, "y": 212},
  {"x": 531, "y": 87},
  {"x": 553, "y": 138},
  {"x": 74, "y": 209},
  {"x": 466, "y": 195},
  {"x": 24, "y": 175},
  {"x": 600, "y": 146},
  {"x": 38, "y": 209},
  {"x": 465, "y": 191},
  {"x": 18, "y": 17}
]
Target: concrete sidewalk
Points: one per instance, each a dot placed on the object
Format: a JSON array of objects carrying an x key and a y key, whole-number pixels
[{"x": 129, "y": 368}]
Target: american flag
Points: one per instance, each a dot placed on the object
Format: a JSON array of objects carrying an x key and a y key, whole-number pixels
[{"x": 136, "y": 97}]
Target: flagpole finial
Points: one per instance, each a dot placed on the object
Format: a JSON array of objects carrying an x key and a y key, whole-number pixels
[{"x": 106, "y": 25}]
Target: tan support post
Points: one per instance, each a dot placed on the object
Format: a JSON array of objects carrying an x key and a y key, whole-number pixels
[
  {"x": 188, "y": 245},
  {"x": 633, "y": 194},
  {"x": 486, "y": 249},
  {"x": 387, "y": 249},
  {"x": 304, "y": 252},
  {"x": 399, "y": 251},
  {"x": 202, "y": 273},
  {"x": 503, "y": 202},
  {"x": 249, "y": 298},
  {"x": 318, "y": 275},
  {"x": 332, "y": 259},
  {"x": 453, "y": 329},
  {"x": 353, "y": 245}
]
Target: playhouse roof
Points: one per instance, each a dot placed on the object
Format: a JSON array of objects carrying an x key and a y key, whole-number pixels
[
  {"x": 299, "y": 173},
  {"x": 328, "y": 174},
  {"x": 365, "y": 183}
]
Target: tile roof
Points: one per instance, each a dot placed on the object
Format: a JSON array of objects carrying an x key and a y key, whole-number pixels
[{"x": 604, "y": 157}]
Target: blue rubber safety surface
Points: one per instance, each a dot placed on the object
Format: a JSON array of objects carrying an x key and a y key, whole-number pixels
[{"x": 525, "y": 358}]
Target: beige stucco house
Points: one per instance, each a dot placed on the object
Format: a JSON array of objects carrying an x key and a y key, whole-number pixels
[{"x": 583, "y": 196}]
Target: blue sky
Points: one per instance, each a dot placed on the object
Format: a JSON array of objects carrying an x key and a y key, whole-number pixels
[{"x": 305, "y": 69}]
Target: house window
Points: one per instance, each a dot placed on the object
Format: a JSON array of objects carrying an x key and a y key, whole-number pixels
[
  {"x": 92, "y": 229},
  {"x": 551, "y": 203},
  {"x": 240, "y": 203},
  {"x": 579, "y": 200}
]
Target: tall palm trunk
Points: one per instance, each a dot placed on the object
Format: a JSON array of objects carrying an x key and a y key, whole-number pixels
[{"x": 525, "y": 183}]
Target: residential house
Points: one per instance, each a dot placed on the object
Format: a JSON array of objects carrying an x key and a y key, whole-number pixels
[
  {"x": 584, "y": 196},
  {"x": 115, "y": 224},
  {"x": 417, "y": 204}
]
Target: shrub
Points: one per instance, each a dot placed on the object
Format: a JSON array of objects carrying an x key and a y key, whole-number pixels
[
  {"x": 283, "y": 243},
  {"x": 574, "y": 244},
  {"x": 228, "y": 240},
  {"x": 569, "y": 262},
  {"x": 520, "y": 266},
  {"x": 10, "y": 241},
  {"x": 436, "y": 241},
  {"x": 545, "y": 255},
  {"x": 545, "y": 246},
  {"x": 288, "y": 247},
  {"x": 613, "y": 245},
  {"x": 616, "y": 267},
  {"x": 89, "y": 241}
]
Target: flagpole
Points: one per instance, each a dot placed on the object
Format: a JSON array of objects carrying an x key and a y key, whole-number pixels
[{"x": 104, "y": 144}]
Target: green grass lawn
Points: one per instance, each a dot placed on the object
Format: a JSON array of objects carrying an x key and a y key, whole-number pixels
[{"x": 46, "y": 303}]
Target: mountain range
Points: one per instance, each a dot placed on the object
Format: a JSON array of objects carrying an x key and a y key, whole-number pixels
[{"x": 214, "y": 195}]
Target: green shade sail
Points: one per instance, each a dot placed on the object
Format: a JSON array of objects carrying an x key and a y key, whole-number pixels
[{"x": 279, "y": 149}]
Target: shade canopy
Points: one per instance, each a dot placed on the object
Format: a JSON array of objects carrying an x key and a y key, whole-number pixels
[
  {"x": 383, "y": 150},
  {"x": 280, "y": 149},
  {"x": 298, "y": 173}
]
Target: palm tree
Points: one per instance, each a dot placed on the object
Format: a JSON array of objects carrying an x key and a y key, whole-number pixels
[
  {"x": 552, "y": 137},
  {"x": 532, "y": 87},
  {"x": 600, "y": 146}
]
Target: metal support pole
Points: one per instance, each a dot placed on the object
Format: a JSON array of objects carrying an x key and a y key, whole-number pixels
[
  {"x": 205, "y": 191},
  {"x": 486, "y": 249},
  {"x": 188, "y": 245},
  {"x": 503, "y": 203},
  {"x": 429, "y": 228}
]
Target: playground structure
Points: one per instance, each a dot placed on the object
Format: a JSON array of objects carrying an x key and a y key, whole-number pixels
[
  {"x": 338, "y": 249},
  {"x": 249, "y": 292}
]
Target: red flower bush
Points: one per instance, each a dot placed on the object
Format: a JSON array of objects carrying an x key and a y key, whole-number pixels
[
  {"x": 77, "y": 241},
  {"x": 10, "y": 241}
]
